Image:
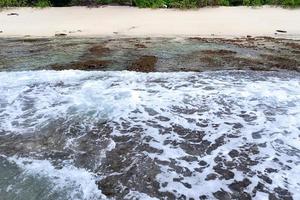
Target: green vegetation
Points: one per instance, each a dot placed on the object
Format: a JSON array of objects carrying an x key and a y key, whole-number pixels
[
  {"x": 19, "y": 3},
  {"x": 42, "y": 3},
  {"x": 150, "y": 3},
  {"x": 6, "y": 3}
]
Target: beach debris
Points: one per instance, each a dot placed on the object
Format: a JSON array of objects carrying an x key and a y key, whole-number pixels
[
  {"x": 133, "y": 27},
  {"x": 281, "y": 31},
  {"x": 60, "y": 34},
  {"x": 12, "y": 14},
  {"x": 78, "y": 31}
]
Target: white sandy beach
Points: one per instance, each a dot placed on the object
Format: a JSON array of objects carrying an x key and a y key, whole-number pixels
[{"x": 128, "y": 21}]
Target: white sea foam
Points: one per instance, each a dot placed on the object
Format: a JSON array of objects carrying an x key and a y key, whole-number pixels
[
  {"x": 75, "y": 183},
  {"x": 138, "y": 195},
  {"x": 259, "y": 103}
]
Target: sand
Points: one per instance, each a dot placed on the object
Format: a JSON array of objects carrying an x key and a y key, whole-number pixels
[{"x": 129, "y": 21}]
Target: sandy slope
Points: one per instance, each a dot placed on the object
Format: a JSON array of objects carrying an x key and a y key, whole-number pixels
[{"x": 128, "y": 21}]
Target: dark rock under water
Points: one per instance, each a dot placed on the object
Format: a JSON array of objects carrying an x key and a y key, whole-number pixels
[{"x": 161, "y": 54}]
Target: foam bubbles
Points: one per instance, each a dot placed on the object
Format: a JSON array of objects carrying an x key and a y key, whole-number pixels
[
  {"x": 235, "y": 125},
  {"x": 66, "y": 182}
]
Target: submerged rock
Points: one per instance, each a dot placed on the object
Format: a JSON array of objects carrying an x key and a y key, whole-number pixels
[
  {"x": 141, "y": 54},
  {"x": 221, "y": 52},
  {"x": 144, "y": 64},
  {"x": 222, "y": 195},
  {"x": 239, "y": 186},
  {"x": 138, "y": 45},
  {"x": 282, "y": 62},
  {"x": 84, "y": 65},
  {"x": 98, "y": 50}
]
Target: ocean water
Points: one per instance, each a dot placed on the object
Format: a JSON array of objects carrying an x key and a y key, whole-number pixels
[{"x": 128, "y": 135}]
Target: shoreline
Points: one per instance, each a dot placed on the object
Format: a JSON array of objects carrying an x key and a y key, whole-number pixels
[
  {"x": 123, "y": 21},
  {"x": 150, "y": 54}
]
